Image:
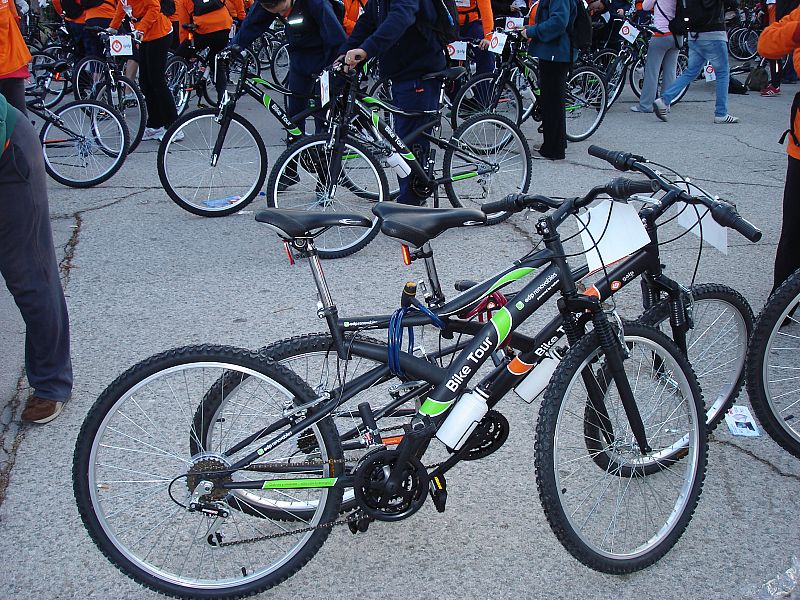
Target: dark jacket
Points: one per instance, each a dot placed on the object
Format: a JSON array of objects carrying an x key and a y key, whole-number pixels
[
  {"x": 717, "y": 23},
  {"x": 311, "y": 26},
  {"x": 405, "y": 49},
  {"x": 549, "y": 38}
]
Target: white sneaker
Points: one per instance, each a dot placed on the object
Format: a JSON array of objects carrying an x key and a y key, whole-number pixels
[
  {"x": 153, "y": 133},
  {"x": 179, "y": 135},
  {"x": 726, "y": 120}
]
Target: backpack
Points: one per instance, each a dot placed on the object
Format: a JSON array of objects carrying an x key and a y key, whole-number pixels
[
  {"x": 445, "y": 24},
  {"x": 72, "y": 10},
  {"x": 580, "y": 34},
  {"x": 692, "y": 15},
  {"x": 168, "y": 7},
  {"x": 90, "y": 3},
  {"x": 736, "y": 87},
  {"x": 203, "y": 7},
  {"x": 757, "y": 79}
]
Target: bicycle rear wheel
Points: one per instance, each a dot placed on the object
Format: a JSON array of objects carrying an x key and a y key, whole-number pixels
[
  {"x": 139, "y": 463},
  {"x": 302, "y": 179},
  {"x": 772, "y": 366},
  {"x": 40, "y": 67},
  {"x": 480, "y": 96},
  {"x": 129, "y": 102},
  {"x": 493, "y": 160},
  {"x": 85, "y": 145},
  {"x": 198, "y": 181},
  {"x": 618, "y": 519},
  {"x": 586, "y": 103},
  {"x": 177, "y": 74}
]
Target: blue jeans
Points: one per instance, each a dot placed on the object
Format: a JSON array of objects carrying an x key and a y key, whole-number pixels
[{"x": 701, "y": 51}]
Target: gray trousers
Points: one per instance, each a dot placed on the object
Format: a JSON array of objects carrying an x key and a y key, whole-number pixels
[
  {"x": 662, "y": 54},
  {"x": 28, "y": 264}
]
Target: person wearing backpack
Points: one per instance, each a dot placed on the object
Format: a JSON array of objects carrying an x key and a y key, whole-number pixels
[
  {"x": 14, "y": 56},
  {"x": 662, "y": 53},
  {"x": 704, "y": 20},
  {"x": 402, "y": 35},
  {"x": 74, "y": 18},
  {"x": 154, "y": 29},
  {"x": 314, "y": 34},
  {"x": 476, "y": 23},
  {"x": 550, "y": 43},
  {"x": 213, "y": 21},
  {"x": 776, "y": 41}
]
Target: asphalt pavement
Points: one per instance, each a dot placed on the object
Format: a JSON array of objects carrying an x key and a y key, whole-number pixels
[{"x": 142, "y": 276}]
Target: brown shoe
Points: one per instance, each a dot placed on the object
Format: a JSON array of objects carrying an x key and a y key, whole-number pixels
[{"x": 41, "y": 411}]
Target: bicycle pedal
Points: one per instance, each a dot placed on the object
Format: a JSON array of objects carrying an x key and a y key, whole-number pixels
[
  {"x": 438, "y": 491},
  {"x": 359, "y": 526}
]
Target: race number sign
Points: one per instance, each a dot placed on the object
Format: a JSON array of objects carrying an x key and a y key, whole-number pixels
[
  {"x": 497, "y": 42},
  {"x": 616, "y": 232},
  {"x": 325, "y": 88},
  {"x": 457, "y": 50},
  {"x": 629, "y": 32},
  {"x": 708, "y": 72},
  {"x": 462, "y": 3},
  {"x": 515, "y": 23},
  {"x": 120, "y": 45}
]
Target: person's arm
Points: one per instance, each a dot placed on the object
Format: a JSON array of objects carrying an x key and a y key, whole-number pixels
[
  {"x": 780, "y": 38},
  {"x": 402, "y": 15},
  {"x": 649, "y": 5},
  {"x": 152, "y": 11},
  {"x": 184, "y": 18},
  {"x": 119, "y": 14},
  {"x": 330, "y": 29},
  {"x": 554, "y": 26},
  {"x": 255, "y": 23},
  {"x": 487, "y": 16},
  {"x": 238, "y": 9}
]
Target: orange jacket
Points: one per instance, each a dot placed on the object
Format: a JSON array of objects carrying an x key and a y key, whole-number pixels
[
  {"x": 247, "y": 4},
  {"x": 13, "y": 51},
  {"x": 352, "y": 10},
  {"x": 216, "y": 20},
  {"x": 59, "y": 11},
  {"x": 105, "y": 11},
  {"x": 477, "y": 9},
  {"x": 776, "y": 41},
  {"x": 532, "y": 13},
  {"x": 236, "y": 9},
  {"x": 149, "y": 19}
]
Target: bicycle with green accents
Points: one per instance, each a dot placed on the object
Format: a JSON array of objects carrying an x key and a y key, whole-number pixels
[{"x": 213, "y": 162}]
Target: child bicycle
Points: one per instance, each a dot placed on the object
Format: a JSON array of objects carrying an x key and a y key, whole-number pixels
[{"x": 150, "y": 489}]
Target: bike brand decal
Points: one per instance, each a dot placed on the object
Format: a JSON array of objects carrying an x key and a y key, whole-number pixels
[
  {"x": 502, "y": 324},
  {"x": 387, "y": 131},
  {"x": 627, "y": 277},
  {"x": 615, "y": 285},
  {"x": 433, "y": 407},
  {"x": 545, "y": 347},
  {"x": 520, "y": 305},
  {"x": 456, "y": 380},
  {"x": 264, "y": 449},
  {"x": 548, "y": 283},
  {"x": 359, "y": 323},
  {"x": 477, "y": 355},
  {"x": 294, "y": 484},
  {"x": 349, "y": 222}
]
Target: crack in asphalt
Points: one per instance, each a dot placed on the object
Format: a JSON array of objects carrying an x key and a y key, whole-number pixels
[
  {"x": 757, "y": 458},
  {"x": 78, "y": 214}
]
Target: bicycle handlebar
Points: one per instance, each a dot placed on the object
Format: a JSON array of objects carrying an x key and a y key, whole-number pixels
[{"x": 722, "y": 212}]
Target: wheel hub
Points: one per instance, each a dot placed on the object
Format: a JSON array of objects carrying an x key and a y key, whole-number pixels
[{"x": 209, "y": 467}]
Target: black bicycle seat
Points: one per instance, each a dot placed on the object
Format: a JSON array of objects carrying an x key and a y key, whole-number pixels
[
  {"x": 417, "y": 225},
  {"x": 292, "y": 223},
  {"x": 451, "y": 73}
]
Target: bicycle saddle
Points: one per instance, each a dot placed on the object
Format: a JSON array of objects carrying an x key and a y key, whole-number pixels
[
  {"x": 418, "y": 225},
  {"x": 291, "y": 223},
  {"x": 451, "y": 73}
]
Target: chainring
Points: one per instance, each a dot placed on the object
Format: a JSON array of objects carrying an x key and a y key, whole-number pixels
[
  {"x": 489, "y": 435},
  {"x": 369, "y": 486}
]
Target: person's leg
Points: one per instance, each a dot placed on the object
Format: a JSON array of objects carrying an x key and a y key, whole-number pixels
[
  {"x": 484, "y": 61},
  {"x": 153, "y": 55},
  {"x": 669, "y": 64},
  {"x": 14, "y": 91},
  {"x": 696, "y": 62},
  {"x": 717, "y": 52},
  {"x": 553, "y": 82},
  {"x": 787, "y": 257},
  {"x": 302, "y": 83},
  {"x": 656, "y": 51},
  {"x": 28, "y": 265},
  {"x": 216, "y": 42},
  {"x": 75, "y": 31},
  {"x": 91, "y": 40},
  {"x": 414, "y": 95}
]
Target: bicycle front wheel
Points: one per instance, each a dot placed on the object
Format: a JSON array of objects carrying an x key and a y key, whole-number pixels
[
  {"x": 479, "y": 95},
  {"x": 617, "y": 518},
  {"x": 492, "y": 160},
  {"x": 303, "y": 179},
  {"x": 205, "y": 184},
  {"x": 85, "y": 145},
  {"x": 586, "y": 103},
  {"x": 140, "y": 463},
  {"x": 128, "y": 99},
  {"x": 772, "y": 366},
  {"x": 177, "y": 74}
]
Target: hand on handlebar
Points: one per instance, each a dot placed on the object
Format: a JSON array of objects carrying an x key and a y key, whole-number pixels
[
  {"x": 483, "y": 44},
  {"x": 110, "y": 31},
  {"x": 353, "y": 57}
]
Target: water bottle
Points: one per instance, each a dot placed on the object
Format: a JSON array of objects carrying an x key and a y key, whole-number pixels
[
  {"x": 462, "y": 420},
  {"x": 399, "y": 165},
  {"x": 536, "y": 381}
]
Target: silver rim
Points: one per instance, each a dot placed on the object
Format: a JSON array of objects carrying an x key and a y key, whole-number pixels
[
  {"x": 780, "y": 373},
  {"x": 143, "y": 443},
  {"x": 618, "y": 516},
  {"x": 586, "y": 103}
]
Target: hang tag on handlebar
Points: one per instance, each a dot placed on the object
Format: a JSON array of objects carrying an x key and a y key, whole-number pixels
[
  {"x": 515, "y": 22},
  {"x": 325, "y": 88},
  {"x": 457, "y": 50},
  {"x": 623, "y": 236},
  {"x": 629, "y": 32},
  {"x": 120, "y": 45},
  {"x": 497, "y": 42},
  {"x": 713, "y": 233}
]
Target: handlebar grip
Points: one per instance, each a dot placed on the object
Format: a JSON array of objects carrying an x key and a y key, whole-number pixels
[
  {"x": 622, "y": 161},
  {"x": 747, "y": 229},
  {"x": 727, "y": 216},
  {"x": 511, "y": 203},
  {"x": 625, "y": 188}
]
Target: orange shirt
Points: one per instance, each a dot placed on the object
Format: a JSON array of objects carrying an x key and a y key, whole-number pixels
[
  {"x": 13, "y": 51},
  {"x": 352, "y": 10},
  {"x": 149, "y": 19},
  {"x": 105, "y": 11},
  {"x": 477, "y": 9},
  {"x": 236, "y": 9},
  {"x": 59, "y": 11},
  {"x": 776, "y": 41},
  {"x": 216, "y": 20}
]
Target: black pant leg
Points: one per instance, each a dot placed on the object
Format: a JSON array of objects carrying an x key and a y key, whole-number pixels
[
  {"x": 161, "y": 110},
  {"x": 14, "y": 91},
  {"x": 787, "y": 258},
  {"x": 553, "y": 84}
]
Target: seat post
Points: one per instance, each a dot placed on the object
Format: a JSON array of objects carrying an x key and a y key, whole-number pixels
[
  {"x": 433, "y": 276},
  {"x": 323, "y": 291}
]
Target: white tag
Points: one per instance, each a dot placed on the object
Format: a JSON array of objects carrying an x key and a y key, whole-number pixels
[
  {"x": 462, "y": 3},
  {"x": 325, "y": 88},
  {"x": 708, "y": 72},
  {"x": 457, "y": 50},
  {"x": 606, "y": 17},
  {"x": 741, "y": 422},
  {"x": 121, "y": 45},
  {"x": 629, "y": 32},
  {"x": 713, "y": 233},
  {"x": 623, "y": 236},
  {"x": 497, "y": 42},
  {"x": 515, "y": 23}
]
